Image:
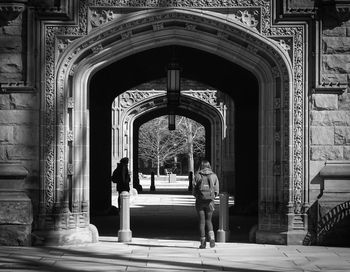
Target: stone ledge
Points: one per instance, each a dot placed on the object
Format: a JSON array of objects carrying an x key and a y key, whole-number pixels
[
  {"x": 78, "y": 236},
  {"x": 336, "y": 169},
  {"x": 10, "y": 170}
]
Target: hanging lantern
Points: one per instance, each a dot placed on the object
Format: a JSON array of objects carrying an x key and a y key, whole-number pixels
[
  {"x": 171, "y": 121},
  {"x": 173, "y": 91}
]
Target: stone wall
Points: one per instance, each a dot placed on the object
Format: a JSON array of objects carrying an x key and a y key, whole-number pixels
[
  {"x": 19, "y": 136},
  {"x": 19, "y": 106},
  {"x": 330, "y": 112},
  {"x": 12, "y": 48},
  {"x": 330, "y": 127}
]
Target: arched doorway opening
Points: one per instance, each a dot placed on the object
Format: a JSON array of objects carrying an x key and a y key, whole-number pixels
[
  {"x": 232, "y": 80},
  {"x": 280, "y": 187}
]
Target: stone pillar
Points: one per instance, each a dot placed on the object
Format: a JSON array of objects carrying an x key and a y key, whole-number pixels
[
  {"x": 16, "y": 214},
  {"x": 223, "y": 232},
  {"x": 124, "y": 234}
]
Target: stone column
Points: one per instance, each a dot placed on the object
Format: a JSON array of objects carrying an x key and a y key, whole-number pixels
[
  {"x": 16, "y": 214},
  {"x": 124, "y": 234},
  {"x": 223, "y": 232}
]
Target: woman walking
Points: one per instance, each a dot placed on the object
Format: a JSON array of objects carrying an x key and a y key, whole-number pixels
[{"x": 205, "y": 189}]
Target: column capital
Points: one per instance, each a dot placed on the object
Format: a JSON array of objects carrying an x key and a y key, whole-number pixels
[{"x": 10, "y": 10}]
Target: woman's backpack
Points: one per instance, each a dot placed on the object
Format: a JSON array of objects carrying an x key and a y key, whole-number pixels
[{"x": 206, "y": 188}]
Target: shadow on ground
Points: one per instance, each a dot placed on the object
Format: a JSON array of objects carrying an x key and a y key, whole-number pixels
[{"x": 171, "y": 221}]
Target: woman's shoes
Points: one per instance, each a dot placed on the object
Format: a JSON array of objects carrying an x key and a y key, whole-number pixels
[
  {"x": 203, "y": 243},
  {"x": 211, "y": 238},
  {"x": 212, "y": 243}
]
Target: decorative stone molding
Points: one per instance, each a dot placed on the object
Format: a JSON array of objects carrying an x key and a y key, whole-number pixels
[
  {"x": 126, "y": 35},
  {"x": 15, "y": 87},
  {"x": 207, "y": 96},
  {"x": 70, "y": 104},
  {"x": 330, "y": 89},
  {"x": 249, "y": 19},
  {"x": 101, "y": 14},
  {"x": 97, "y": 48},
  {"x": 191, "y": 26},
  {"x": 99, "y": 17},
  {"x": 131, "y": 97},
  {"x": 277, "y": 103},
  {"x": 10, "y": 10},
  {"x": 158, "y": 26},
  {"x": 70, "y": 136}
]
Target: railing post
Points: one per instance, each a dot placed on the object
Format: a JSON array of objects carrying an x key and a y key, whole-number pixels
[
  {"x": 124, "y": 234},
  {"x": 223, "y": 232}
]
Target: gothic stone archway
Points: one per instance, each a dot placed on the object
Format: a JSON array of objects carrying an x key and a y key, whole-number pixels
[
  {"x": 146, "y": 105},
  {"x": 245, "y": 36}
]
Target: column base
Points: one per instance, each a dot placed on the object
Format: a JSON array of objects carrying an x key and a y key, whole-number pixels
[
  {"x": 124, "y": 236},
  {"x": 222, "y": 236},
  {"x": 293, "y": 237},
  {"x": 65, "y": 237}
]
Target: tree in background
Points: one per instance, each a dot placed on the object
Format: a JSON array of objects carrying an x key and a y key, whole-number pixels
[
  {"x": 158, "y": 144},
  {"x": 194, "y": 135}
]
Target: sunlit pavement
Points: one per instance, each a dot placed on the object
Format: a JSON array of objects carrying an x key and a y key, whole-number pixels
[
  {"x": 173, "y": 255},
  {"x": 164, "y": 228}
]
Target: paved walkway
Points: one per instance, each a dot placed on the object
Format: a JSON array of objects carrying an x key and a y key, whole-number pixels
[
  {"x": 165, "y": 239},
  {"x": 173, "y": 255}
]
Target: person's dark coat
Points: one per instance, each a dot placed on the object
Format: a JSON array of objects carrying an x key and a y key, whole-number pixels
[{"x": 121, "y": 177}]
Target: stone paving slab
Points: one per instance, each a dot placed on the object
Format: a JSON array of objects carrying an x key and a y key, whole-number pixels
[{"x": 173, "y": 255}]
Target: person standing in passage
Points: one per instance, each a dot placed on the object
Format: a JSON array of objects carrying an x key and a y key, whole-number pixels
[
  {"x": 121, "y": 176},
  {"x": 205, "y": 188}
]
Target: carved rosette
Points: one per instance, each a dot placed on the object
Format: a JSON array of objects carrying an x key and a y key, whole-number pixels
[{"x": 251, "y": 13}]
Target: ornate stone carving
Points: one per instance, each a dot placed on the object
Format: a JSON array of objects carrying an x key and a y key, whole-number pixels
[
  {"x": 249, "y": 19},
  {"x": 63, "y": 43},
  {"x": 275, "y": 72},
  {"x": 97, "y": 48},
  {"x": 70, "y": 136},
  {"x": 101, "y": 16},
  {"x": 70, "y": 103},
  {"x": 191, "y": 26},
  {"x": 126, "y": 35},
  {"x": 174, "y": 3},
  {"x": 131, "y": 97},
  {"x": 207, "y": 96},
  {"x": 158, "y": 26},
  {"x": 10, "y": 10},
  {"x": 284, "y": 45},
  {"x": 277, "y": 103},
  {"x": 70, "y": 169},
  {"x": 222, "y": 35},
  {"x": 72, "y": 70}
]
